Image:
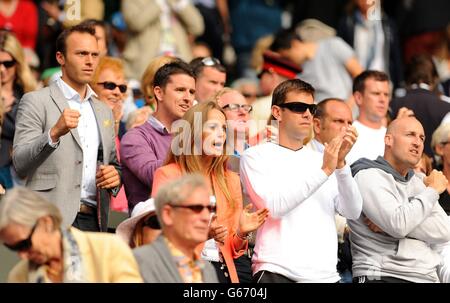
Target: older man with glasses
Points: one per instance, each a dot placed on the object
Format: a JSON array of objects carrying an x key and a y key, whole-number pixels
[
  {"x": 184, "y": 211},
  {"x": 210, "y": 77},
  {"x": 31, "y": 226},
  {"x": 302, "y": 189}
]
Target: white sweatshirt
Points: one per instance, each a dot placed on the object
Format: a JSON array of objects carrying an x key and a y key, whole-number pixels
[{"x": 299, "y": 239}]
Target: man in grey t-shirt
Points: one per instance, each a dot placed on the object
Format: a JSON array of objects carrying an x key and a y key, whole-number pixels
[{"x": 329, "y": 64}]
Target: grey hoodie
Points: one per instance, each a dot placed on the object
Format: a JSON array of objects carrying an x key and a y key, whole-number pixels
[{"x": 409, "y": 214}]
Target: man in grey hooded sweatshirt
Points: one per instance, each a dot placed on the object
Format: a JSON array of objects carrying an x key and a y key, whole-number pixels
[{"x": 401, "y": 215}]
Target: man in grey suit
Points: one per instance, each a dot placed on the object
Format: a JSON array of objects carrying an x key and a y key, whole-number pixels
[
  {"x": 64, "y": 140},
  {"x": 183, "y": 209}
]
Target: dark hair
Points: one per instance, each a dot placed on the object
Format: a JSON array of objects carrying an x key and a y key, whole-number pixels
[
  {"x": 421, "y": 69},
  {"x": 198, "y": 66},
  {"x": 163, "y": 74},
  {"x": 283, "y": 40},
  {"x": 359, "y": 82},
  {"x": 320, "y": 110},
  {"x": 61, "y": 45},
  {"x": 293, "y": 85},
  {"x": 94, "y": 22}
]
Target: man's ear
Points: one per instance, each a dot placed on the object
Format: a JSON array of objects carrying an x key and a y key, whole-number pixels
[
  {"x": 60, "y": 58},
  {"x": 316, "y": 126},
  {"x": 388, "y": 140},
  {"x": 167, "y": 215},
  {"x": 159, "y": 93},
  {"x": 358, "y": 98},
  {"x": 276, "y": 112}
]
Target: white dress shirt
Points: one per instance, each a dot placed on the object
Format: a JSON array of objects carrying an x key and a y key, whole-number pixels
[{"x": 89, "y": 138}]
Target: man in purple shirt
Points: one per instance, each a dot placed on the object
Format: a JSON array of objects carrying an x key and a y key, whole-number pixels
[{"x": 145, "y": 148}]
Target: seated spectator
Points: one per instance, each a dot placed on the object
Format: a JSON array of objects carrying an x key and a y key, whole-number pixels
[
  {"x": 142, "y": 227},
  {"x": 31, "y": 226},
  {"x": 330, "y": 63},
  {"x": 230, "y": 227},
  {"x": 184, "y": 211},
  {"x": 402, "y": 216}
]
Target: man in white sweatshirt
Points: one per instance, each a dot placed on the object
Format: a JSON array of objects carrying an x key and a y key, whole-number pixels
[{"x": 303, "y": 189}]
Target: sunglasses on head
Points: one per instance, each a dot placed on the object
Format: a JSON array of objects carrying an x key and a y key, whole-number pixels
[
  {"x": 112, "y": 86},
  {"x": 152, "y": 222},
  {"x": 196, "y": 208},
  {"x": 299, "y": 107},
  {"x": 210, "y": 61},
  {"x": 8, "y": 64},
  {"x": 23, "y": 245},
  {"x": 235, "y": 107}
]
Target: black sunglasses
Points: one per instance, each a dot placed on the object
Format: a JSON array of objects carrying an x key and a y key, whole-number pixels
[
  {"x": 152, "y": 222},
  {"x": 112, "y": 86},
  {"x": 299, "y": 107},
  {"x": 23, "y": 245},
  {"x": 197, "y": 208},
  {"x": 8, "y": 64}
]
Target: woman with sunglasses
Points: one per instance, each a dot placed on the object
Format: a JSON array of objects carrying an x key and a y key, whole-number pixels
[
  {"x": 230, "y": 224},
  {"x": 31, "y": 226},
  {"x": 16, "y": 80},
  {"x": 110, "y": 86},
  {"x": 142, "y": 227}
]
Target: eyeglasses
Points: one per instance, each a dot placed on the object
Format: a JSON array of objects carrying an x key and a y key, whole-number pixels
[
  {"x": 235, "y": 107},
  {"x": 8, "y": 64},
  {"x": 112, "y": 86},
  {"x": 299, "y": 107},
  {"x": 196, "y": 208},
  {"x": 152, "y": 222},
  {"x": 23, "y": 245},
  {"x": 210, "y": 61}
]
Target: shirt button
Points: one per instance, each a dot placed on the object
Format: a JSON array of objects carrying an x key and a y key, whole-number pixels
[{"x": 77, "y": 186}]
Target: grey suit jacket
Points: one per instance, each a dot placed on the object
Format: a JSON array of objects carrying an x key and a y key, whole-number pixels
[
  {"x": 56, "y": 172},
  {"x": 157, "y": 265}
]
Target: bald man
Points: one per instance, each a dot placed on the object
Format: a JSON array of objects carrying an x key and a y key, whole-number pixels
[{"x": 401, "y": 214}]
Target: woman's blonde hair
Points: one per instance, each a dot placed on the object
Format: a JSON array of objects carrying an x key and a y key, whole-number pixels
[
  {"x": 24, "y": 77},
  {"x": 149, "y": 75},
  {"x": 192, "y": 163}
]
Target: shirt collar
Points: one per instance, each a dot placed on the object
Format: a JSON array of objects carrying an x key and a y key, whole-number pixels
[
  {"x": 180, "y": 258},
  {"x": 156, "y": 124},
  {"x": 319, "y": 146},
  {"x": 71, "y": 94}
]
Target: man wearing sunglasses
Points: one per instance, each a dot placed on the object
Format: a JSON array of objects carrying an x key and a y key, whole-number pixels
[
  {"x": 303, "y": 189},
  {"x": 210, "y": 77},
  {"x": 65, "y": 142},
  {"x": 184, "y": 211}
]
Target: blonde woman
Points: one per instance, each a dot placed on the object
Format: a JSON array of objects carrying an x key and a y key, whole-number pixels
[
  {"x": 16, "y": 80},
  {"x": 231, "y": 224}
]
